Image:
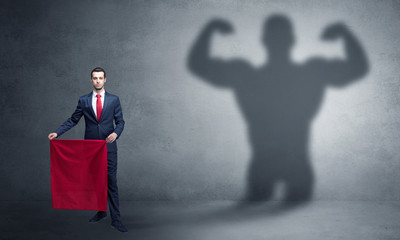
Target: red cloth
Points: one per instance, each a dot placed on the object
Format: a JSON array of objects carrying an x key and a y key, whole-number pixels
[{"x": 79, "y": 174}]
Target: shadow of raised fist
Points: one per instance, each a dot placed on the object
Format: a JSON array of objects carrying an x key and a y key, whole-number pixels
[
  {"x": 221, "y": 26},
  {"x": 335, "y": 31}
]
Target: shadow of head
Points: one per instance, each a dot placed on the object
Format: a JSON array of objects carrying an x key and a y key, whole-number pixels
[{"x": 278, "y": 34}]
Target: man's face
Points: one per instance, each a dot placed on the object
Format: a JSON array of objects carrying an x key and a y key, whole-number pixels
[{"x": 98, "y": 80}]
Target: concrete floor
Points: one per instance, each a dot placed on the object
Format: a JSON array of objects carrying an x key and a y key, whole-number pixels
[{"x": 208, "y": 220}]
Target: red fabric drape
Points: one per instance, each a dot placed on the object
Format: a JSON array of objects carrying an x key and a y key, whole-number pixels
[{"x": 79, "y": 174}]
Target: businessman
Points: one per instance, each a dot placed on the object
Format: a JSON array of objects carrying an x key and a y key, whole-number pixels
[{"x": 101, "y": 110}]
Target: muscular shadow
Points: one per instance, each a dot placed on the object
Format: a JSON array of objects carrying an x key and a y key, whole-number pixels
[{"x": 279, "y": 100}]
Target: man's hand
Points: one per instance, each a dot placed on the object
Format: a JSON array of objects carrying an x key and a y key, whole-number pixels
[
  {"x": 52, "y": 135},
  {"x": 111, "y": 138}
]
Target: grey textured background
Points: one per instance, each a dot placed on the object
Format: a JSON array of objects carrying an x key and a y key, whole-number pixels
[{"x": 185, "y": 139}]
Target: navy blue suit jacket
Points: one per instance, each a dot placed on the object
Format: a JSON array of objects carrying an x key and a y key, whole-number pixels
[{"x": 94, "y": 129}]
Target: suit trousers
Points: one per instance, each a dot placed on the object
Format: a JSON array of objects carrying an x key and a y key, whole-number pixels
[{"x": 113, "y": 198}]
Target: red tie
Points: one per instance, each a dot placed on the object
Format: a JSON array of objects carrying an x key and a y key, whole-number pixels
[{"x": 99, "y": 107}]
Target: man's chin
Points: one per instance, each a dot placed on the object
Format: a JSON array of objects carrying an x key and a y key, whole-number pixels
[{"x": 98, "y": 89}]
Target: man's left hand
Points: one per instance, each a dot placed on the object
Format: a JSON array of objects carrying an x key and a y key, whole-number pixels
[{"x": 111, "y": 138}]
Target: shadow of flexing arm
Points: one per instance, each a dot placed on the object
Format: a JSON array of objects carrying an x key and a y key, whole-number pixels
[{"x": 278, "y": 100}]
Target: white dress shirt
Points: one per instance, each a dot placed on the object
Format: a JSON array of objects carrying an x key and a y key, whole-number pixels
[{"x": 94, "y": 100}]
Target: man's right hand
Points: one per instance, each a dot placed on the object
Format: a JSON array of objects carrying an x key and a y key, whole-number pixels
[{"x": 52, "y": 135}]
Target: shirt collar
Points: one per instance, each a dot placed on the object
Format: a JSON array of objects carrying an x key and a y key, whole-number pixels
[{"x": 102, "y": 93}]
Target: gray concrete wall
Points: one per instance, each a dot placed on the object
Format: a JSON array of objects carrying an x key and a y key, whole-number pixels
[{"x": 185, "y": 138}]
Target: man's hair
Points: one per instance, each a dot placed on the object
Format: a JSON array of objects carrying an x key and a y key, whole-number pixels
[{"x": 98, "y": 69}]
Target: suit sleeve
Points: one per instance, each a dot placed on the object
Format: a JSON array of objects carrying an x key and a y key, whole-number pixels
[
  {"x": 119, "y": 119},
  {"x": 72, "y": 121}
]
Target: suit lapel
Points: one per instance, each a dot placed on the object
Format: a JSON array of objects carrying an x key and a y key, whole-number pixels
[
  {"x": 106, "y": 103},
  {"x": 89, "y": 102}
]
